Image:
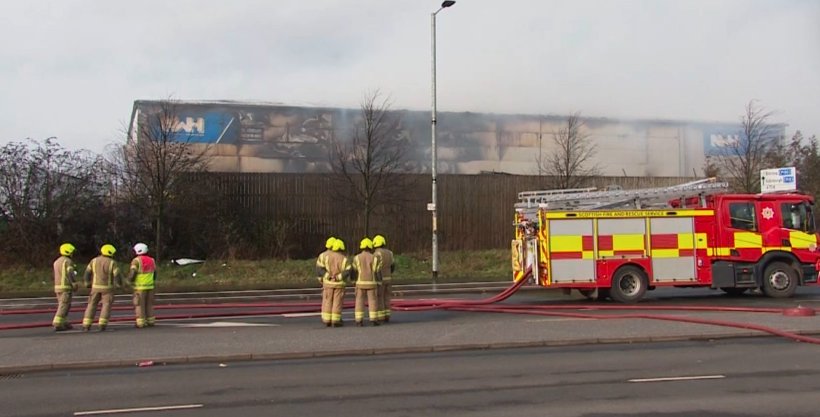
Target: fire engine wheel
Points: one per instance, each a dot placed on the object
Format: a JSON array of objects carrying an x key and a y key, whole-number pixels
[
  {"x": 779, "y": 280},
  {"x": 629, "y": 284}
]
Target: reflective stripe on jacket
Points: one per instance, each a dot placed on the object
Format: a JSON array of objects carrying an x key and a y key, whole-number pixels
[
  {"x": 102, "y": 271},
  {"x": 367, "y": 268},
  {"x": 144, "y": 268},
  {"x": 321, "y": 263},
  {"x": 338, "y": 267},
  {"x": 63, "y": 274},
  {"x": 385, "y": 256}
]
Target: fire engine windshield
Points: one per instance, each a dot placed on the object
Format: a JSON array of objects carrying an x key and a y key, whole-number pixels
[{"x": 798, "y": 216}]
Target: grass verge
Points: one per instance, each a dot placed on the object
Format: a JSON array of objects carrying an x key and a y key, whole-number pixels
[{"x": 222, "y": 275}]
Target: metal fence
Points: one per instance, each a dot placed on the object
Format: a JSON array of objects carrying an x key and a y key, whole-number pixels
[{"x": 475, "y": 211}]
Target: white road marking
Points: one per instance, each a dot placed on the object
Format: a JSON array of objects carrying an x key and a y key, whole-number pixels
[
  {"x": 227, "y": 324},
  {"x": 301, "y": 314},
  {"x": 678, "y": 378},
  {"x": 137, "y": 410}
]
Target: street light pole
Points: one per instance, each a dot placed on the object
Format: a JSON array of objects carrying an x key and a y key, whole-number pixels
[{"x": 434, "y": 206}]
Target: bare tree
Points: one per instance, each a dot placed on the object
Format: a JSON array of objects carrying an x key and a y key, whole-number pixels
[
  {"x": 804, "y": 155},
  {"x": 742, "y": 159},
  {"x": 156, "y": 163},
  {"x": 571, "y": 163},
  {"x": 46, "y": 195},
  {"x": 807, "y": 161},
  {"x": 370, "y": 164}
]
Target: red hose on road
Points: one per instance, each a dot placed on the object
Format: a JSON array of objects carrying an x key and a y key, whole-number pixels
[
  {"x": 174, "y": 317},
  {"x": 541, "y": 312},
  {"x": 166, "y": 307},
  {"x": 482, "y": 305}
]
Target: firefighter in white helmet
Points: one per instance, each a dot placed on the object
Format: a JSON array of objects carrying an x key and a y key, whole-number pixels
[
  {"x": 141, "y": 276},
  {"x": 64, "y": 286},
  {"x": 385, "y": 257},
  {"x": 337, "y": 271},
  {"x": 101, "y": 274},
  {"x": 366, "y": 270}
]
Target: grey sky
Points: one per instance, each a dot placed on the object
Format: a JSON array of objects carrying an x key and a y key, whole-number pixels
[{"x": 72, "y": 69}]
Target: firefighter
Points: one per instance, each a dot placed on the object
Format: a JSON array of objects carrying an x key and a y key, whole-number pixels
[
  {"x": 141, "y": 276},
  {"x": 101, "y": 274},
  {"x": 337, "y": 271},
  {"x": 366, "y": 269},
  {"x": 64, "y": 286},
  {"x": 385, "y": 257},
  {"x": 322, "y": 259}
]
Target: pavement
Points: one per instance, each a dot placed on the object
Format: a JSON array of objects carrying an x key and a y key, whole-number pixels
[{"x": 222, "y": 341}]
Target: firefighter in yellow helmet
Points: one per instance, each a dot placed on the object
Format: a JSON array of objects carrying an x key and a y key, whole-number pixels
[
  {"x": 101, "y": 274},
  {"x": 64, "y": 286},
  {"x": 386, "y": 261},
  {"x": 321, "y": 260},
  {"x": 142, "y": 275},
  {"x": 366, "y": 270},
  {"x": 337, "y": 271}
]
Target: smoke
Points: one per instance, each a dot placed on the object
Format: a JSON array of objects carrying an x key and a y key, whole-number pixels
[{"x": 73, "y": 71}]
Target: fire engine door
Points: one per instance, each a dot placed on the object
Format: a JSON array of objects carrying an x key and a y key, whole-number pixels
[
  {"x": 571, "y": 251},
  {"x": 673, "y": 249}
]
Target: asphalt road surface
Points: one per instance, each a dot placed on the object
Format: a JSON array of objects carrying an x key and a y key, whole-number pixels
[
  {"x": 729, "y": 378},
  {"x": 808, "y": 296}
]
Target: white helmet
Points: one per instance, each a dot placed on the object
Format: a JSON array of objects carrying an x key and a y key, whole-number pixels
[{"x": 140, "y": 248}]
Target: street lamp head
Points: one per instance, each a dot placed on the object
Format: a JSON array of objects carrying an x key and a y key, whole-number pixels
[{"x": 447, "y": 3}]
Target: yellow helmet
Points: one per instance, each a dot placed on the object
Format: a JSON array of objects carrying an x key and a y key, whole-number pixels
[
  {"x": 329, "y": 242},
  {"x": 338, "y": 245},
  {"x": 366, "y": 244},
  {"x": 66, "y": 249},
  {"x": 108, "y": 250},
  {"x": 378, "y": 241}
]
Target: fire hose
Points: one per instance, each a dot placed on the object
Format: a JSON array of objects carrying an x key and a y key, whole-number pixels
[{"x": 486, "y": 305}]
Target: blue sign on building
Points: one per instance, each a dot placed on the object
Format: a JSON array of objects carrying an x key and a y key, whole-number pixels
[{"x": 210, "y": 127}]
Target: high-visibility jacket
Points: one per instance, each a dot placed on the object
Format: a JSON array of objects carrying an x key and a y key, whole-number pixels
[
  {"x": 337, "y": 270},
  {"x": 64, "y": 273},
  {"x": 385, "y": 256},
  {"x": 143, "y": 272},
  {"x": 366, "y": 267},
  {"x": 321, "y": 263},
  {"x": 101, "y": 273}
]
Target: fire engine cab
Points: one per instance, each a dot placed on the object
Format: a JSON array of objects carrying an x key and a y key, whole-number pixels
[{"x": 621, "y": 243}]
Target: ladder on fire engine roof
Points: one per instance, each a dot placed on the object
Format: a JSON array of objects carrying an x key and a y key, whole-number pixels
[{"x": 592, "y": 198}]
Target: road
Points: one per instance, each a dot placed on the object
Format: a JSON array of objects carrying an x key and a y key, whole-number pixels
[
  {"x": 808, "y": 296},
  {"x": 730, "y": 378}
]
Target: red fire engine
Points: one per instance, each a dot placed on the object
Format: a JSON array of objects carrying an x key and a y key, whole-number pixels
[{"x": 621, "y": 243}]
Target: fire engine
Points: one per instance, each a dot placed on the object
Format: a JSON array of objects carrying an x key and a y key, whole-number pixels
[{"x": 621, "y": 243}]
